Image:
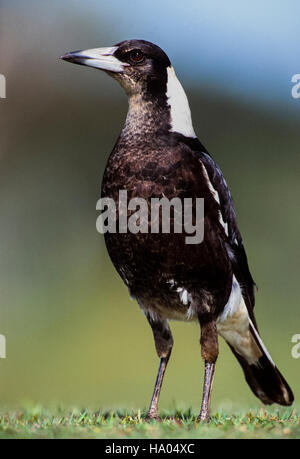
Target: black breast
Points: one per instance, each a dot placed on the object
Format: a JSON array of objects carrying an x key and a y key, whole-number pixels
[{"x": 149, "y": 262}]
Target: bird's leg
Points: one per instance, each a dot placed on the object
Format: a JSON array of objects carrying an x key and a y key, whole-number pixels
[
  {"x": 153, "y": 409},
  {"x": 207, "y": 386},
  {"x": 209, "y": 351},
  {"x": 163, "y": 343}
]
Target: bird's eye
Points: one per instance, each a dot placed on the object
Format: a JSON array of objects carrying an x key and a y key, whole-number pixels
[{"x": 136, "y": 56}]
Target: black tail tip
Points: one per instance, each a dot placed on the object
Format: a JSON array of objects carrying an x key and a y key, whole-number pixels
[{"x": 268, "y": 384}]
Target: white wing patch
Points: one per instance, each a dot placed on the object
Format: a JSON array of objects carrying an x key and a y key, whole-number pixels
[
  {"x": 181, "y": 119},
  {"x": 216, "y": 197}
]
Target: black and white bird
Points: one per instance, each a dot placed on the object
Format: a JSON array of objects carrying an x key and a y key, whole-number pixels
[{"x": 159, "y": 155}]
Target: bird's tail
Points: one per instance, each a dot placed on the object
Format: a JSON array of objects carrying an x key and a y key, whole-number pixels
[{"x": 265, "y": 380}]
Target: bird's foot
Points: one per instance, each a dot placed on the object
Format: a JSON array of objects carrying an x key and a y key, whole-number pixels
[
  {"x": 153, "y": 416},
  {"x": 203, "y": 416}
]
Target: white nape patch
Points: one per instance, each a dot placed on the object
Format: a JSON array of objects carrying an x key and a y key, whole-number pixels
[
  {"x": 234, "y": 326},
  {"x": 181, "y": 119},
  {"x": 216, "y": 197},
  {"x": 102, "y": 58}
]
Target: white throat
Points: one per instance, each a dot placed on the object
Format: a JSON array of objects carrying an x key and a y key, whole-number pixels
[{"x": 181, "y": 119}]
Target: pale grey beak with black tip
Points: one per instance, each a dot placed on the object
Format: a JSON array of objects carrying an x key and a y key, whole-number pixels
[{"x": 99, "y": 58}]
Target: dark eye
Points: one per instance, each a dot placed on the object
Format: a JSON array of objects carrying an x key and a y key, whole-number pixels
[{"x": 136, "y": 56}]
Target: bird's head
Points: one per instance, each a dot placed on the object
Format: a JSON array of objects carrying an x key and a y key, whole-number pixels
[
  {"x": 138, "y": 65},
  {"x": 145, "y": 72}
]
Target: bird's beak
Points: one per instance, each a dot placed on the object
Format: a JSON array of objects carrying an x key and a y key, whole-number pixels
[{"x": 99, "y": 58}]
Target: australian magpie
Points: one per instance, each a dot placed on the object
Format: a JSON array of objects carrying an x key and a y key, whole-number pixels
[{"x": 159, "y": 155}]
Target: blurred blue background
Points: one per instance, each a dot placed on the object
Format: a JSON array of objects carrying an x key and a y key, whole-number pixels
[{"x": 73, "y": 335}]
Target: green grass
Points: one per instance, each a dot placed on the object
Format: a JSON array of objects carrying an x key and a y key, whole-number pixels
[{"x": 37, "y": 422}]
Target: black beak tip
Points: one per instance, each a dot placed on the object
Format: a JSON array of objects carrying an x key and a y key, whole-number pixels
[
  {"x": 75, "y": 57},
  {"x": 66, "y": 57}
]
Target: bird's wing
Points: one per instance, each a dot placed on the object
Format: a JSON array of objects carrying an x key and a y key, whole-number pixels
[{"x": 233, "y": 238}]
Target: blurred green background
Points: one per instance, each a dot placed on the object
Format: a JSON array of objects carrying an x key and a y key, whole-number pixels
[{"x": 73, "y": 335}]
